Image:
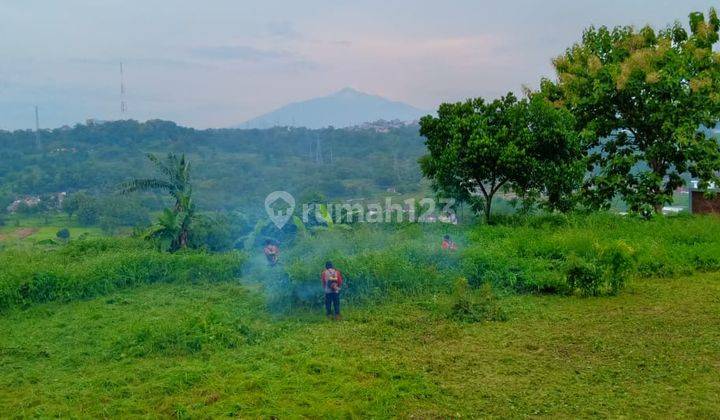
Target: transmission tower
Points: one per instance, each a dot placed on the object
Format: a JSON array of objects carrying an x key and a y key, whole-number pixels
[
  {"x": 318, "y": 149},
  {"x": 123, "y": 104},
  {"x": 38, "y": 144}
]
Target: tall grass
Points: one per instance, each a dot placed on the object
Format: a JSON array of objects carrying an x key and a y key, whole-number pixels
[
  {"x": 86, "y": 268},
  {"x": 376, "y": 262},
  {"x": 586, "y": 254},
  {"x": 539, "y": 254}
]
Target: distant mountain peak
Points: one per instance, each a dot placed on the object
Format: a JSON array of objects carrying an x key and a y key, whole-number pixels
[
  {"x": 347, "y": 107},
  {"x": 347, "y": 90},
  {"x": 350, "y": 92}
]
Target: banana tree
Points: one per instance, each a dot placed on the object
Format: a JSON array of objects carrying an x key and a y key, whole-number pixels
[{"x": 175, "y": 181}]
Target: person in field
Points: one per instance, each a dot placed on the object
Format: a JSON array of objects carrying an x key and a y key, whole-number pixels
[
  {"x": 272, "y": 252},
  {"x": 332, "y": 281},
  {"x": 448, "y": 243}
]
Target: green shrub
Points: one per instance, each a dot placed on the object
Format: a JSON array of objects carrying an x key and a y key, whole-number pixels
[
  {"x": 605, "y": 272},
  {"x": 519, "y": 274},
  {"x": 583, "y": 275},
  {"x": 217, "y": 232},
  {"x": 63, "y": 234},
  {"x": 618, "y": 264},
  {"x": 480, "y": 306}
]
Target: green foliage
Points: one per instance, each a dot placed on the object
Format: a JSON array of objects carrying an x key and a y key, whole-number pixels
[
  {"x": 467, "y": 306},
  {"x": 109, "y": 212},
  {"x": 95, "y": 158},
  {"x": 63, "y": 234},
  {"x": 218, "y": 232},
  {"x": 584, "y": 276},
  {"x": 88, "y": 213},
  {"x": 26, "y": 209},
  {"x": 165, "y": 230},
  {"x": 618, "y": 263},
  {"x": 376, "y": 262},
  {"x": 116, "y": 212},
  {"x": 640, "y": 98},
  {"x": 546, "y": 254},
  {"x": 477, "y": 148},
  {"x": 85, "y": 268},
  {"x": 74, "y": 202},
  {"x": 606, "y": 272},
  {"x": 175, "y": 223},
  {"x": 595, "y": 254}
]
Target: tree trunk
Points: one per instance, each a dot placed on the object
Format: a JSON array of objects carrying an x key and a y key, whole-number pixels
[
  {"x": 488, "y": 204},
  {"x": 488, "y": 194},
  {"x": 658, "y": 170},
  {"x": 183, "y": 239}
]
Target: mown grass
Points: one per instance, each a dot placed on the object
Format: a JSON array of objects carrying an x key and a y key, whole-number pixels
[
  {"x": 14, "y": 237},
  {"x": 210, "y": 349},
  {"x": 16, "y": 228}
]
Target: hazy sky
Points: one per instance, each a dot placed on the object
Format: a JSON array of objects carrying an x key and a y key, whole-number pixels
[{"x": 216, "y": 63}]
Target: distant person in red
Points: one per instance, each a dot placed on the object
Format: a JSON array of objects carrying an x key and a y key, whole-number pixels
[
  {"x": 272, "y": 252},
  {"x": 448, "y": 244},
  {"x": 332, "y": 281}
]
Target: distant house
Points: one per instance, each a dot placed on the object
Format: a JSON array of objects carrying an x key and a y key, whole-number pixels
[
  {"x": 29, "y": 201},
  {"x": 95, "y": 121},
  {"x": 700, "y": 203},
  {"x": 448, "y": 218},
  {"x": 55, "y": 200},
  {"x": 60, "y": 150},
  {"x": 383, "y": 126},
  {"x": 672, "y": 209},
  {"x": 61, "y": 196}
]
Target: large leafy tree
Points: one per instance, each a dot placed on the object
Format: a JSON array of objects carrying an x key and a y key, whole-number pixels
[
  {"x": 556, "y": 168},
  {"x": 174, "y": 224},
  {"x": 641, "y": 98},
  {"x": 477, "y": 148}
]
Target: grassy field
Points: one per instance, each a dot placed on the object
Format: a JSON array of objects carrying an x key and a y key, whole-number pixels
[
  {"x": 31, "y": 229},
  {"x": 212, "y": 350},
  {"x": 103, "y": 327}
]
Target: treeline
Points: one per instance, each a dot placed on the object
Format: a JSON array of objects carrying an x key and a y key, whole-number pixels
[{"x": 234, "y": 168}]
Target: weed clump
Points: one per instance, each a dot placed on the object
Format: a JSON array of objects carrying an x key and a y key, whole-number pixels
[
  {"x": 606, "y": 273},
  {"x": 479, "y": 306}
]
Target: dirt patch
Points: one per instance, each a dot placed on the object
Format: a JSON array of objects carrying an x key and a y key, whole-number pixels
[
  {"x": 2, "y": 237},
  {"x": 25, "y": 232}
]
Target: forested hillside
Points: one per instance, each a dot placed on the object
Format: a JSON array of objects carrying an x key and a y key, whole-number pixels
[{"x": 233, "y": 168}]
